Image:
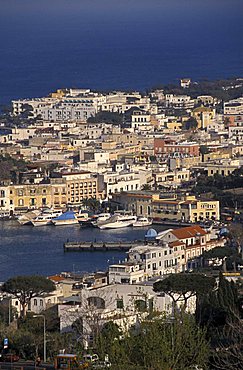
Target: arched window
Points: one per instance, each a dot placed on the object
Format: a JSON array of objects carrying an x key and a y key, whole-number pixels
[{"x": 96, "y": 302}]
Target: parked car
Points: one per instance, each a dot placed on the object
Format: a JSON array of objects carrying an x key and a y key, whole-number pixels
[{"x": 101, "y": 365}]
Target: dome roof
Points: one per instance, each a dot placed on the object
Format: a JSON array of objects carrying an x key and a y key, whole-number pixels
[
  {"x": 151, "y": 233},
  {"x": 224, "y": 231}
]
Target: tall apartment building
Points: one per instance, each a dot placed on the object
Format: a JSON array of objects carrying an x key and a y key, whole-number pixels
[{"x": 80, "y": 186}]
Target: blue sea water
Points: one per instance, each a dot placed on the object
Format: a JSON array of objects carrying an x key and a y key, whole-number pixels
[
  {"x": 26, "y": 250},
  {"x": 115, "y": 44}
]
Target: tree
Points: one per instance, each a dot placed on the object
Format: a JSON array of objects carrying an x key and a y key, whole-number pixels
[
  {"x": 181, "y": 287},
  {"x": 229, "y": 351},
  {"x": 158, "y": 344},
  {"x": 218, "y": 306},
  {"x": 107, "y": 340},
  {"x": 146, "y": 187},
  {"x": 204, "y": 149},
  {"x": 24, "y": 288},
  {"x": 107, "y": 117},
  {"x": 229, "y": 257},
  {"x": 92, "y": 204},
  {"x": 190, "y": 124}
]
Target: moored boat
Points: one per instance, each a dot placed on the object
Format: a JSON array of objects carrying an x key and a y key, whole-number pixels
[
  {"x": 45, "y": 218},
  {"x": 66, "y": 218},
  {"x": 118, "y": 221},
  {"x": 101, "y": 219},
  {"x": 27, "y": 217},
  {"x": 142, "y": 222}
]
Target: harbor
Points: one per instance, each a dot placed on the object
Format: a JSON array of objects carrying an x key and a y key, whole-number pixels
[{"x": 27, "y": 250}]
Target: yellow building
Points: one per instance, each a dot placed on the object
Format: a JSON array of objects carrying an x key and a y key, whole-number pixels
[
  {"x": 193, "y": 209},
  {"x": 174, "y": 125},
  {"x": 30, "y": 196},
  {"x": 80, "y": 186},
  {"x": 204, "y": 116}
]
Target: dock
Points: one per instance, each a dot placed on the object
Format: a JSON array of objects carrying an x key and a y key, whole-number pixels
[{"x": 100, "y": 246}]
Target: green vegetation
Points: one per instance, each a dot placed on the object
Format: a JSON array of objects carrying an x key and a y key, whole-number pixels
[
  {"x": 220, "y": 89},
  {"x": 210, "y": 339},
  {"x": 8, "y": 165},
  {"x": 26, "y": 287},
  {"x": 107, "y": 117},
  {"x": 218, "y": 185},
  {"x": 26, "y": 336},
  {"x": 156, "y": 344},
  {"x": 181, "y": 287},
  {"x": 190, "y": 124}
]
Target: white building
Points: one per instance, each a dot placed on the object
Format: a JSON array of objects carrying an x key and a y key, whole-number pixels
[
  {"x": 141, "y": 121},
  {"x": 179, "y": 101},
  {"x": 126, "y": 273},
  {"x": 158, "y": 260},
  {"x": 124, "y": 304},
  {"x": 4, "y": 201},
  {"x": 234, "y": 107}
]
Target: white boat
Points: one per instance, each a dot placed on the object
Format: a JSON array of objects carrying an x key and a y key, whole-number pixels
[
  {"x": 101, "y": 219},
  {"x": 66, "y": 218},
  {"x": 45, "y": 218},
  {"x": 27, "y": 217},
  {"x": 118, "y": 221},
  {"x": 82, "y": 217},
  {"x": 142, "y": 221}
]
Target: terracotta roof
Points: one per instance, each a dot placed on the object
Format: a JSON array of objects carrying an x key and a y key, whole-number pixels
[
  {"x": 188, "y": 232},
  {"x": 176, "y": 243},
  {"x": 161, "y": 201},
  {"x": 56, "y": 278}
]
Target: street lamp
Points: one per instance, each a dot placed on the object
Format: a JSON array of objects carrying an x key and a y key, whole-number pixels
[{"x": 44, "y": 334}]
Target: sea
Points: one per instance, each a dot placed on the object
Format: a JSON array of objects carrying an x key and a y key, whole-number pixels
[
  {"x": 27, "y": 250},
  {"x": 115, "y": 44},
  {"x": 104, "y": 45}
]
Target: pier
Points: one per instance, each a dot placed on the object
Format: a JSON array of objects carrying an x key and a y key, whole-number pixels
[{"x": 100, "y": 246}]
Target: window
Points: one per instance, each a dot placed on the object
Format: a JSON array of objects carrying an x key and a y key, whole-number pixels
[
  {"x": 20, "y": 202},
  {"x": 41, "y": 302},
  {"x": 119, "y": 303},
  {"x": 140, "y": 305},
  {"x": 35, "y": 302}
]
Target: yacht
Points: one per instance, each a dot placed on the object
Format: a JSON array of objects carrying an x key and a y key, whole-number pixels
[
  {"x": 118, "y": 221},
  {"x": 66, "y": 218},
  {"x": 83, "y": 217},
  {"x": 45, "y": 218},
  {"x": 101, "y": 219},
  {"x": 142, "y": 221}
]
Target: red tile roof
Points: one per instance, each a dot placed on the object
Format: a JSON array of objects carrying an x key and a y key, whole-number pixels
[
  {"x": 176, "y": 243},
  {"x": 188, "y": 232}
]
